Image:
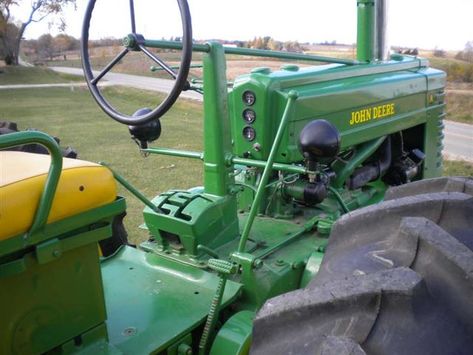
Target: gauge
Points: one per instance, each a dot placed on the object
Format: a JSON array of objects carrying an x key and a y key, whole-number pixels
[
  {"x": 249, "y": 133},
  {"x": 249, "y": 98},
  {"x": 249, "y": 115}
]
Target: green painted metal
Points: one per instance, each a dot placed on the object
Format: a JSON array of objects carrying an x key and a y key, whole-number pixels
[
  {"x": 223, "y": 268},
  {"x": 157, "y": 69},
  {"x": 175, "y": 153},
  {"x": 46, "y": 199},
  {"x": 231, "y": 160},
  {"x": 332, "y": 93},
  {"x": 308, "y": 226},
  {"x": 91, "y": 342},
  {"x": 311, "y": 268},
  {"x": 363, "y": 153},
  {"x": 251, "y": 52},
  {"x": 217, "y": 141},
  {"x": 339, "y": 199},
  {"x": 234, "y": 338},
  {"x": 162, "y": 302},
  {"x": 191, "y": 219},
  {"x": 62, "y": 228},
  {"x": 291, "y": 98},
  {"x": 290, "y": 168},
  {"x": 50, "y": 303},
  {"x": 366, "y": 35},
  {"x": 274, "y": 260}
]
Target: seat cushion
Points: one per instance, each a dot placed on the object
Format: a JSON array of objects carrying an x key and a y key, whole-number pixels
[{"x": 82, "y": 186}]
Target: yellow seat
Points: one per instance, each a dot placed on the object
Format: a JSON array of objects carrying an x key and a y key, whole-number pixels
[{"x": 82, "y": 186}]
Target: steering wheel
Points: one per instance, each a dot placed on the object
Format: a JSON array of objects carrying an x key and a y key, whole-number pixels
[{"x": 136, "y": 42}]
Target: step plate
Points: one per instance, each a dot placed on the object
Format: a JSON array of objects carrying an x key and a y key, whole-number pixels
[{"x": 152, "y": 301}]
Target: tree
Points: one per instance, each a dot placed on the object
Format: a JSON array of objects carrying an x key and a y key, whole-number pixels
[
  {"x": 46, "y": 48},
  {"x": 8, "y": 32},
  {"x": 274, "y": 45},
  {"x": 439, "y": 53},
  {"x": 64, "y": 42},
  {"x": 467, "y": 53},
  {"x": 258, "y": 43},
  {"x": 293, "y": 46},
  {"x": 40, "y": 9}
]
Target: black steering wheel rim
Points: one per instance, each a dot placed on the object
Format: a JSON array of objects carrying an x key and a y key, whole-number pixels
[{"x": 180, "y": 77}]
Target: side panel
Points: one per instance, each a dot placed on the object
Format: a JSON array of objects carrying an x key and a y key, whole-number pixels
[
  {"x": 51, "y": 303},
  {"x": 362, "y": 107}
]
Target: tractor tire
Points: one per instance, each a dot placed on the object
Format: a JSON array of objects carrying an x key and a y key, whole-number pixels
[
  {"x": 118, "y": 239},
  {"x": 7, "y": 127},
  {"x": 396, "y": 278}
]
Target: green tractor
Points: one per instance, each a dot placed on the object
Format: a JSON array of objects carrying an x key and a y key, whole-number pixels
[{"x": 322, "y": 226}]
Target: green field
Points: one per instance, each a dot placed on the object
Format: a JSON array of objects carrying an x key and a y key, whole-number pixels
[
  {"x": 75, "y": 118},
  {"x": 33, "y": 75}
]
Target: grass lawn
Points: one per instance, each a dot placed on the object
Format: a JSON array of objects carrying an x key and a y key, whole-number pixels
[
  {"x": 76, "y": 119},
  {"x": 460, "y": 106},
  {"x": 33, "y": 75},
  {"x": 457, "y": 168}
]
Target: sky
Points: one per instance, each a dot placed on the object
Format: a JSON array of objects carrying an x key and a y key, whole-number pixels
[{"x": 424, "y": 24}]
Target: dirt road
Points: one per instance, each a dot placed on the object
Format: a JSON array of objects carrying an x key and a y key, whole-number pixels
[
  {"x": 135, "y": 81},
  {"x": 458, "y": 142}
]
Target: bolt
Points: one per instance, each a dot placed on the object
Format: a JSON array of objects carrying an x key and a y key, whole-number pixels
[
  {"x": 184, "y": 349},
  {"x": 127, "y": 41},
  {"x": 280, "y": 262},
  {"x": 297, "y": 264},
  {"x": 257, "y": 147},
  {"x": 293, "y": 94},
  {"x": 257, "y": 263},
  {"x": 129, "y": 331}
]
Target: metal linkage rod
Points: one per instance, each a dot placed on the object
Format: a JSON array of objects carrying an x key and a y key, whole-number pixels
[
  {"x": 290, "y": 168},
  {"x": 292, "y": 97},
  {"x": 175, "y": 153},
  {"x": 252, "y": 52},
  {"x": 134, "y": 191},
  {"x": 364, "y": 152}
]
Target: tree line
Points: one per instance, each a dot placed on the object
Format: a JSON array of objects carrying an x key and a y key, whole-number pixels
[
  {"x": 12, "y": 30},
  {"x": 270, "y": 43},
  {"x": 49, "y": 47}
]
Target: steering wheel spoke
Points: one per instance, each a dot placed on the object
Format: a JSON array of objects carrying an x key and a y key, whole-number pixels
[
  {"x": 132, "y": 16},
  {"x": 135, "y": 42},
  {"x": 109, "y": 66},
  {"x": 159, "y": 61}
]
